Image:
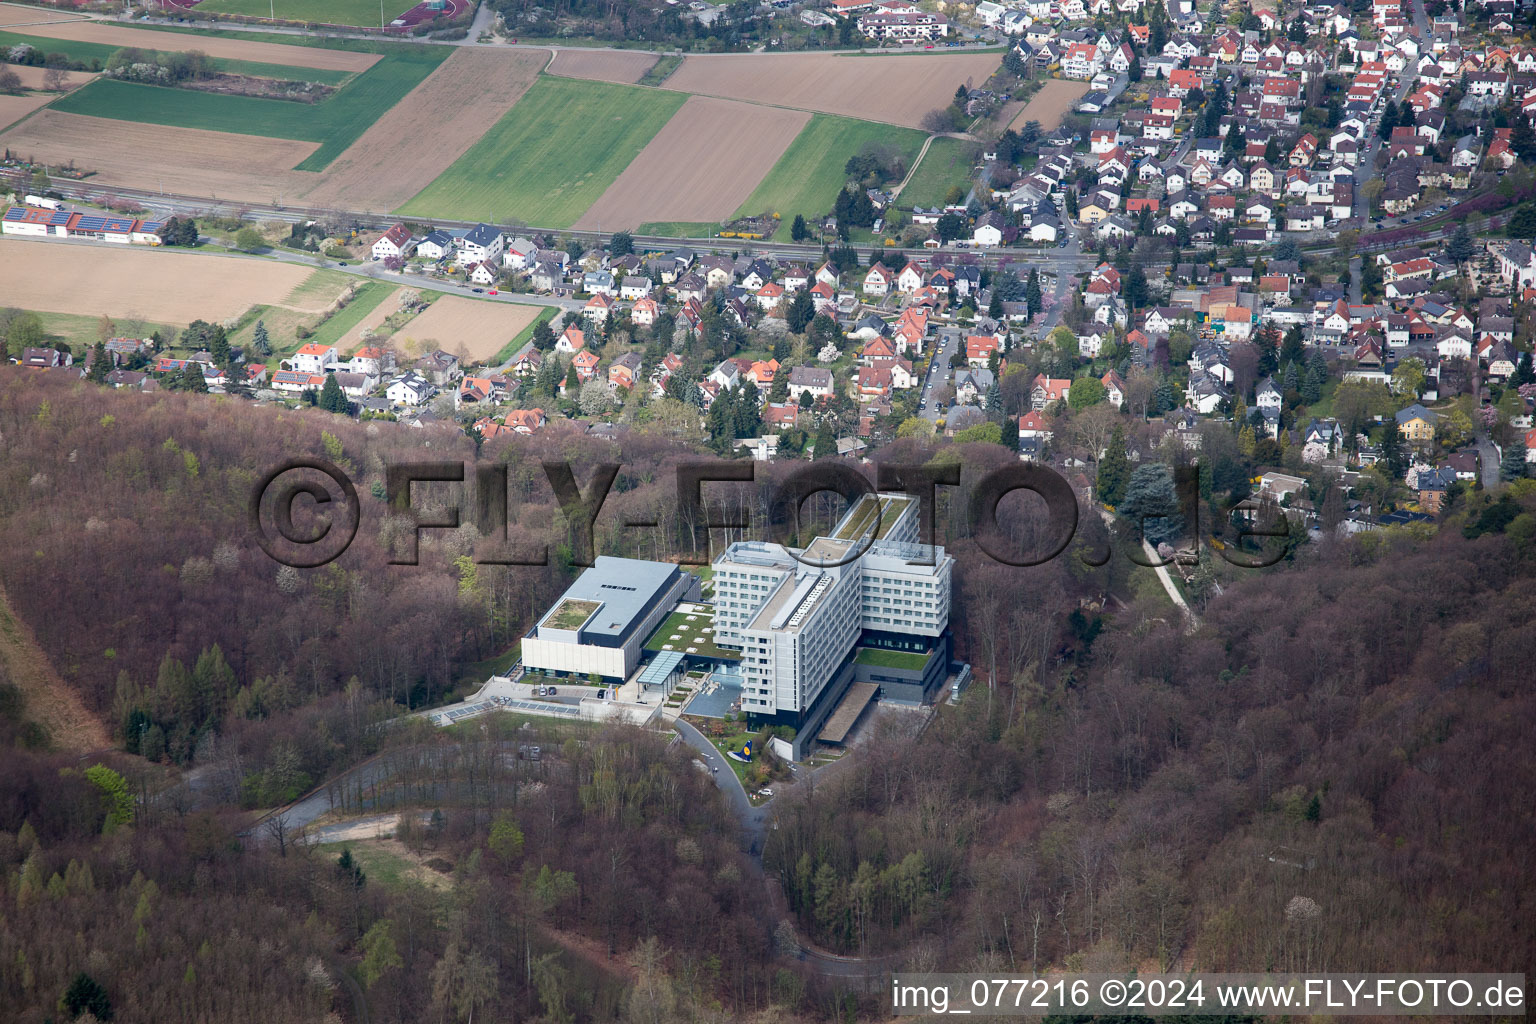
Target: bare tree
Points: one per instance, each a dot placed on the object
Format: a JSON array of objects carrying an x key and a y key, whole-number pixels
[{"x": 276, "y": 828}]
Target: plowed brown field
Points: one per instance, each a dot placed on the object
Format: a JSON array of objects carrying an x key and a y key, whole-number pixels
[
  {"x": 474, "y": 328},
  {"x": 1049, "y": 105},
  {"x": 701, "y": 166},
  {"x": 896, "y": 89},
  {"x": 12, "y": 14},
  {"x": 160, "y": 285},
  {"x": 222, "y": 164},
  {"x": 623, "y": 67}
]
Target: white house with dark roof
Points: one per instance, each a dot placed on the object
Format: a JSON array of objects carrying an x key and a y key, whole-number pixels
[{"x": 480, "y": 244}]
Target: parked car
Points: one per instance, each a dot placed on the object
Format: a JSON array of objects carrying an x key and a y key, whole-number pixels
[{"x": 478, "y": 291}]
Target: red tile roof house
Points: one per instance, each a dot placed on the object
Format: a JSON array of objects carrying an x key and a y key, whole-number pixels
[
  {"x": 979, "y": 348},
  {"x": 874, "y": 382},
  {"x": 394, "y": 242},
  {"x": 490, "y": 429},
  {"x": 526, "y": 421},
  {"x": 1046, "y": 390},
  {"x": 780, "y": 415},
  {"x": 1033, "y": 424}
]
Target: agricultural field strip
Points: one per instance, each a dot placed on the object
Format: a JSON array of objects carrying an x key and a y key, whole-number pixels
[
  {"x": 946, "y": 164},
  {"x": 334, "y": 123},
  {"x": 622, "y": 67},
  {"x": 125, "y": 153},
  {"x": 84, "y": 53},
  {"x": 895, "y": 89},
  {"x": 806, "y": 178},
  {"x": 117, "y": 36},
  {"x": 700, "y": 166},
  {"x": 13, "y": 14},
  {"x": 160, "y": 285},
  {"x": 551, "y": 156},
  {"x": 473, "y": 328},
  {"x": 442, "y": 117},
  {"x": 1050, "y": 104}
]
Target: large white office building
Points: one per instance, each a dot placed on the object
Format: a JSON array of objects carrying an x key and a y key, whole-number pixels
[{"x": 797, "y": 615}]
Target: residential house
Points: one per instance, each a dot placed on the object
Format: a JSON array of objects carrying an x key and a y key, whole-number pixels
[{"x": 394, "y": 243}]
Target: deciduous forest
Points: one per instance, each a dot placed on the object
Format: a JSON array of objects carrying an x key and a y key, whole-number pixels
[{"x": 1329, "y": 773}]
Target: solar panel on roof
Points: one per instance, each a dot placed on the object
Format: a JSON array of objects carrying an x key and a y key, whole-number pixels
[
  {"x": 59, "y": 217},
  {"x": 91, "y": 223},
  {"x": 15, "y": 213},
  {"x": 152, "y": 226},
  {"x": 119, "y": 224}
]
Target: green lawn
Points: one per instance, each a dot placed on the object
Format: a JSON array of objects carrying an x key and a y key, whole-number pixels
[
  {"x": 678, "y": 229},
  {"x": 79, "y": 331},
  {"x": 571, "y": 614},
  {"x": 890, "y": 659},
  {"x": 689, "y": 634},
  {"x": 947, "y": 163},
  {"x": 335, "y": 123},
  {"x": 369, "y": 295},
  {"x": 806, "y": 178},
  {"x": 363, "y": 13},
  {"x": 551, "y": 155},
  {"x": 84, "y": 52}
]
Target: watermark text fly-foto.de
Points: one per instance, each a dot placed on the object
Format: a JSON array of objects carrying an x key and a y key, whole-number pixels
[{"x": 329, "y": 494}]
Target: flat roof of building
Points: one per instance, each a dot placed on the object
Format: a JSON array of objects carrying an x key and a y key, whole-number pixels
[
  {"x": 624, "y": 587},
  {"x": 848, "y": 711},
  {"x": 865, "y": 513}
]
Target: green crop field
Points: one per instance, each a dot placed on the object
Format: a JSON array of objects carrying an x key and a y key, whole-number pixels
[
  {"x": 551, "y": 155},
  {"x": 71, "y": 49},
  {"x": 364, "y": 13},
  {"x": 334, "y": 123},
  {"x": 947, "y": 163},
  {"x": 806, "y": 178}
]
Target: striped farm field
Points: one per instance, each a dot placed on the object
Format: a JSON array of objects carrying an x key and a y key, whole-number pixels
[
  {"x": 442, "y": 117},
  {"x": 895, "y": 88},
  {"x": 707, "y": 159},
  {"x": 335, "y": 123},
  {"x": 806, "y": 178},
  {"x": 300, "y": 54},
  {"x": 86, "y": 52},
  {"x": 551, "y": 156}
]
